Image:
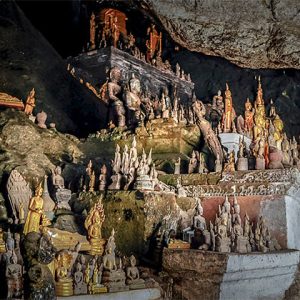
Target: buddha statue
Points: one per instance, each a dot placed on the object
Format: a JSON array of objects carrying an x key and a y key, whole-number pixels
[
  {"x": 93, "y": 225},
  {"x": 64, "y": 262},
  {"x": 286, "y": 151},
  {"x": 113, "y": 278},
  {"x": 92, "y": 44},
  {"x": 132, "y": 100},
  {"x": 278, "y": 134},
  {"x": 193, "y": 162},
  {"x": 35, "y": 212},
  {"x": 14, "y": 279},
  {"x": 114, "y": 90},
  {"x": 103, "y": 178},
  {"x": 229, "y": 113},
  {"x": 80, "y": 286},
  {"x": 62, "y": 195},
  {"x": 218, "y": 165},
  {"x": 133, "y": 275},
  {"x": 95, "y": 286},
  {"x": 222, "y": 240},
  {"x": 92, "y": 182},
  {"x": 295, "y": 152},
  {"x": 249, "y": 114},
  {"x": 229, "y": 166}
]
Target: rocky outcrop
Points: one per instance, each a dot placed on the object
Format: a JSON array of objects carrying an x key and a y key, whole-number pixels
[{"x": 255, "y": 34}]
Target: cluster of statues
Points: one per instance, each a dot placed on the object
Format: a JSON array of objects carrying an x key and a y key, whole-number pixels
[
  {"x": 229, "y": 233},
  {"x": 131, "y": 107},
  {"x": 111, "y": 32},
  {"x": 270, "y": 146}
]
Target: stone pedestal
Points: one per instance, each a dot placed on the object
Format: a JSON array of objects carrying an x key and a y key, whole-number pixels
[
  {"x": 144, "y": 182},
  {"x": 231, "y": 141},
  {"x": 260, "y": 164},
  {"x": 230, "y": 276},
  {"x": 242, "y": 164},
  {"x": 64, "y": 288},
  {"x": 98, "y": 289},
  {"x": 97, "y": 247}
]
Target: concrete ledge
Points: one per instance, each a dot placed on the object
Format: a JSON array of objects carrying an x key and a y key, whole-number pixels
[
  {"x": 229, "y": 276},
  {"x": 144, "y": 294}
]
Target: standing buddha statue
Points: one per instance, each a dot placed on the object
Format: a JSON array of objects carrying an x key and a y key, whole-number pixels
[
  {"x": 229, "y": 113},
  {"x": 249, "y": 119},
  {"x": 35, "y": 212}
]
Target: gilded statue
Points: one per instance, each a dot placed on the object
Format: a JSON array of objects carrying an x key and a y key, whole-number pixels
[
  {"x": 230, "y": 165},
  {"x": 35, "y": 212},
  {"x": 229, "y": 113},
  {"x": 30, "y": 103},
  {"x": 278, "y": 134},
  {"x": 249, "y": 123},
  {"x": 93, "y": 225}
]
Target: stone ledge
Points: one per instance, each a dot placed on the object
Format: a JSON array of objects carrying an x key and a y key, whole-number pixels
[
  {"x": 143, "y": 294},
  {"x": 230, "y": 275}
]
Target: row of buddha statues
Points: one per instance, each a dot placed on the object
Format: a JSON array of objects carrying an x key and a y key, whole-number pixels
[
  {"x": 130, "y": 106},
  {"x": 63, "y": 272},
  {"x": 128, "y": 171},
  {"x": 111, "y": 32},
  {"x": 229, "y": 233}
]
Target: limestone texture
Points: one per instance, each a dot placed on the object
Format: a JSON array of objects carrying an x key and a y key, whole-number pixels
[{"x": 252, "y": 34}]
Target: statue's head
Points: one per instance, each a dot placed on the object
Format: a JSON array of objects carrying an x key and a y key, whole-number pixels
[
  {"x": 39, "y": 190},
  {"x": 132, "y": 261},
  {"x": 58, "y": 170},
  {"x": 115, "y": 73},
  {"x": 78, "y": 267}
]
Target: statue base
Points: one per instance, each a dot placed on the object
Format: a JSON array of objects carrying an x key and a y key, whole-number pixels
[
  {"x": 97, "y": 247},
  {"x": 144, "y": 182},
  {"x": 232, "y": 141},
  {"x": 113, "y": 289},
  {"x": 137, "y": 286},
  {"x": 97, "y": 289},
  {"x": 223, "y": 245},
  {"x": 242, "y": 164},
  {"x": 2, "y": 248},
  {"x": 64, "y": 288},
  {"x": 178, "y": 244},
  {"x": 260, "y": 164}
]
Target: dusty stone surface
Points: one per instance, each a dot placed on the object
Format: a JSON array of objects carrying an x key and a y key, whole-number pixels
[
  {"x": 31, "y": 150},
  {"x": 258, "y": 34}
]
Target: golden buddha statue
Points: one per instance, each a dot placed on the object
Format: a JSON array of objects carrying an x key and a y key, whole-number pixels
[
  {"x": 259, "y": 101},
  {"x": 229, "y": 113},
  {"x": 230, "y": 165},
  {"x": 278, "y": 134},
  {"x": 249, "y": 114},
  {"x": 93, "y": 224},
  {"x": 35, "y": 211},
  {"x": 92, "y": 182}
]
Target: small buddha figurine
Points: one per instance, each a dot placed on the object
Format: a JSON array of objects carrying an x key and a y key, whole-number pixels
[
  {"x": 133, "y": 275},
  {"x": 14, "y": 279},
  {"x": 192, "y": 163},
  {"x": 218, "y": 103},
  {"x": 35, "y": 212},
  {"x": 41, "y": 118},
  {"x": 92, "y": 32},
  {"x": 57, "y": 180},
  {"x": 230, "y": 165},
  {"x": 80, "y": 286},
  {"x": 295, "y": 152},
  {"x": 177, "y": 166},
  {"x": 103, "y": 178},
  {"x": 92, "y": 182},
  {"x": 278, "y": 134},
  {"x": 286, "y": 151},
  {"x": 30, "y": 103}
]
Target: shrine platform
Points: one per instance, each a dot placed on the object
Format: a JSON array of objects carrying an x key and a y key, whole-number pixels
[
  {"x": 143, "y": 294},
  {"x": 92, "y": 66},
  {"x": 228, "y": 276}
]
